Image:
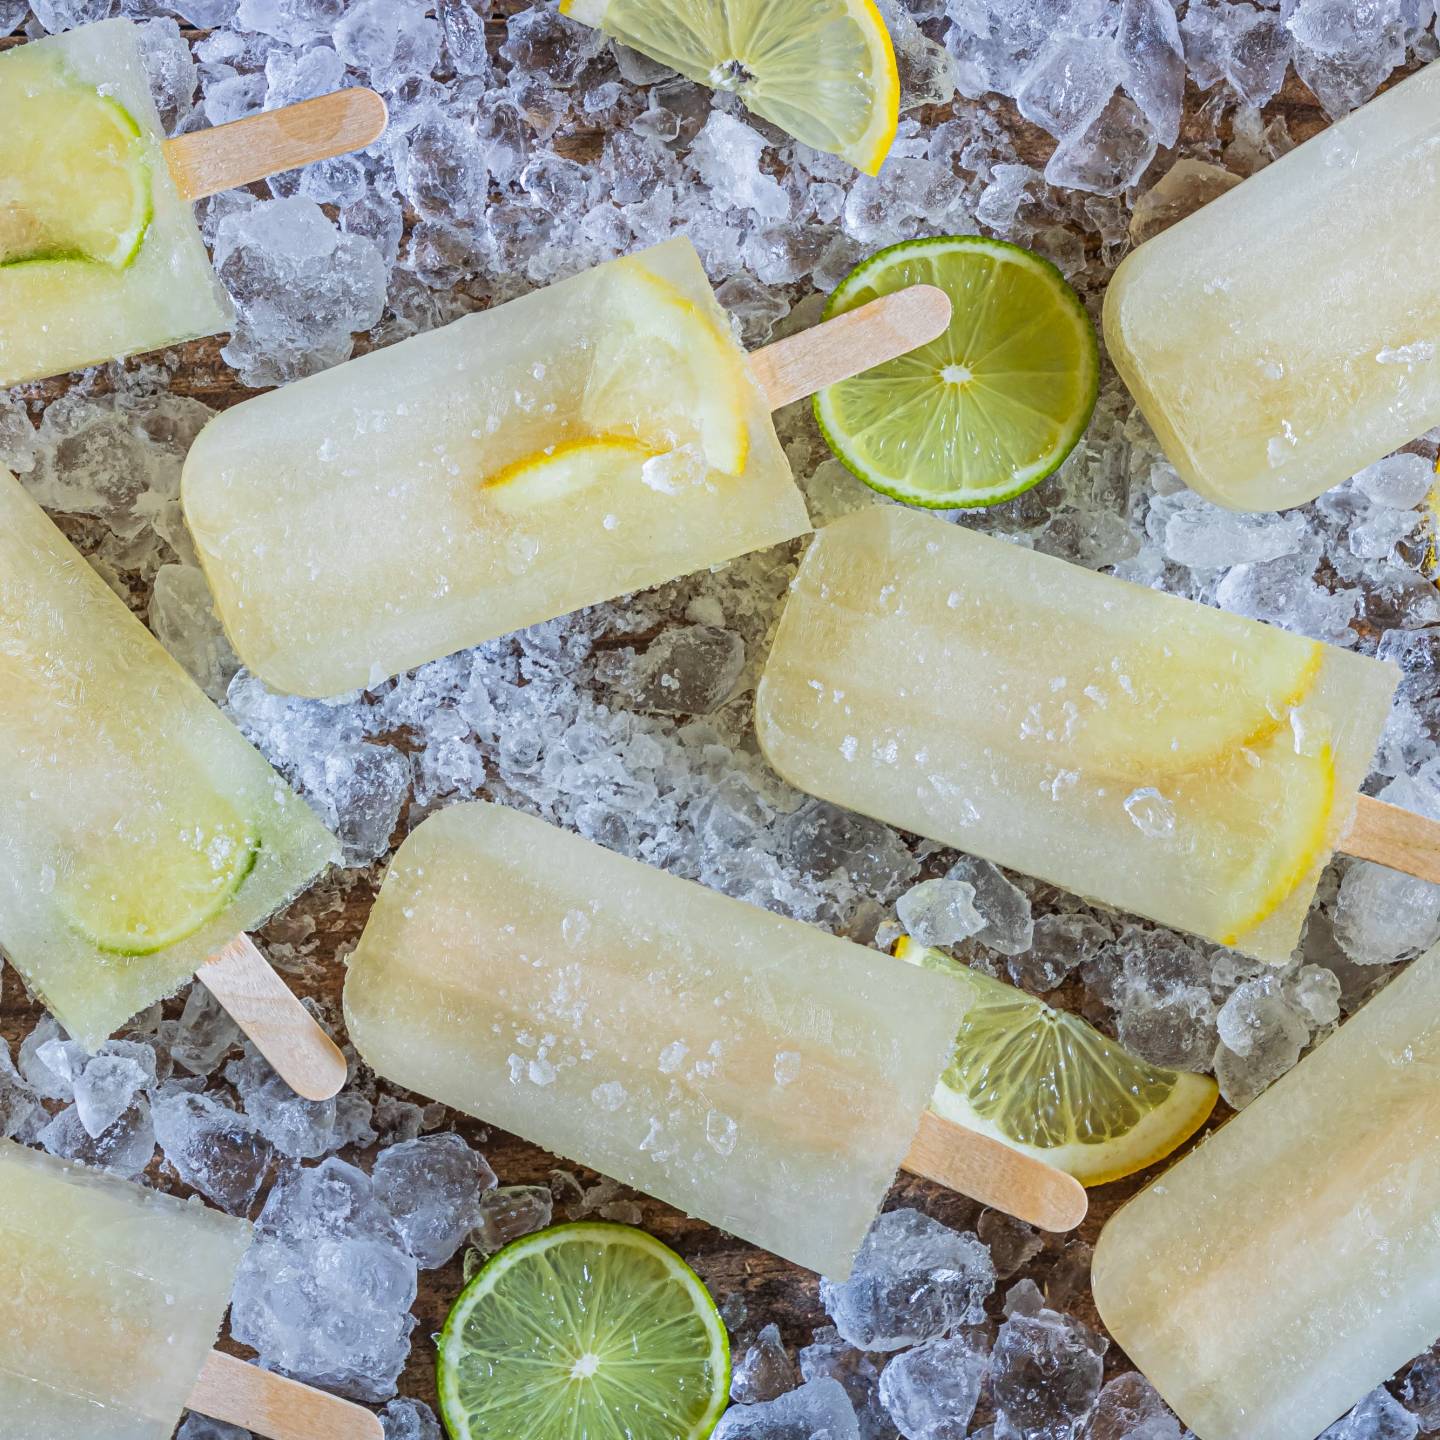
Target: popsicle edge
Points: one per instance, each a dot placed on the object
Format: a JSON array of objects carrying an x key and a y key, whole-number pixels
[
  {"x": 1394, "y": 837},
  {"x": 992, "y": 1173},
  {"x": 849, "y": 344},
  {"x": 205, "y": 162},
  {"x": 243, "y": 1394},
  {"x": 278, "y": 1025}
]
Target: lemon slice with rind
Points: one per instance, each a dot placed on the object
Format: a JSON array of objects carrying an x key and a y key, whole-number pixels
[
  {"x": 667, "y": 372},
  {"x": 1044, "y": 1082},
  {"x": 566, "y": 470},
  {"x": 823, "y": 71},
  {"x": 149, "y": 884},
  {"x": 990, "y": 408},
  {"x": 586, "y": 1330},
  {"x": 76, "y": 179}
]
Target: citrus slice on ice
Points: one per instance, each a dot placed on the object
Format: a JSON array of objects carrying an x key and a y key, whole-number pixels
[
  {"x": 565, "y": 470},
  {"x": 584, "y": 1330},
  {"x": 76, "y": 181},
  {"x": 1261, "y": 824},
  {"x": 990, "y": 408},
  {"x": 148, "y": 885},
  {"x": 823, "y": 72},
  {"x": 667, "y": 371},
  {"x": 1045, "y": 1083}
]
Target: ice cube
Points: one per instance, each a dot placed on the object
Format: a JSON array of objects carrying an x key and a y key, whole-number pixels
[
  {"x": 940, "y": 912},
  {"x": 1045, "y": 1376},
  {"x": 431, "y": 1187},
  {"x": 405, "y": 1419},
  {"x": 914, "y": 1279},
  {"x": 1130, "y": 1409},
  {"x": 125, "y": 1148},
  {"x": 818, "y": 1410},
  {"x": 212, "y": 1148},
  {"x": 202, "y": 1427},
  {"x": 764, "y": 1372},
  {"x": 930, "y": 1391},
  {"x": 1005, "y": 908},
  {"x": 510, "y": 1212},
  {"x": 205, "y": 1035},
  {"x": 1379, "y": 1416}
]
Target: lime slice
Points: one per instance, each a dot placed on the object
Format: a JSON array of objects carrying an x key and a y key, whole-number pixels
[
  {"x": 823, "y": 71},
  {"x": 148, "y": 885},
  {"x": 566, "y": 470},
  {"x": 1045, "y": 1083},
  {"x": 990, "y": 408},
  {"x": 76, "y": 182},
  {"x": 666, "y": 371},
  {"x": 585, "y": 1330}
]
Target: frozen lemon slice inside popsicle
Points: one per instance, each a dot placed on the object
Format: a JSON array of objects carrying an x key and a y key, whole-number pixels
[{"x": 77, "y": 179}]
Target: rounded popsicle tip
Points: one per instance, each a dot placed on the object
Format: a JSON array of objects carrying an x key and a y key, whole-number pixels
[
  {"x": 921, "y": 312},
  {"x": 369, "y": 115}
]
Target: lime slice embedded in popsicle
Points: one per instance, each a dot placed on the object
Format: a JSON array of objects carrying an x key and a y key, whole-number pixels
[
  {"x": 565, "y": 470},
  {"x": 990, "y": 408},
  {"x": 666, "y": 372},
  {"x": 147, "y": 885},
  {"x": 584, "y": 1330},
  {"x": 76, "y": 180},
  {"x": 1046, "y": 1083}
]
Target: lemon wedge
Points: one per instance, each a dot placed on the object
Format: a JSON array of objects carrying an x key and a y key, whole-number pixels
[
  {"x": 823, "y": 71},
  {"x": 565, "y": 470},
  {"x": 1043, "y": 1082},
  {"x": 668, "y": 372}
]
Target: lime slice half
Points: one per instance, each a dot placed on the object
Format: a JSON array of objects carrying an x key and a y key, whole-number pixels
[
  {"x": 585, "y": 1330},
  {"x": 76, "y": 184},
  {"x": 149, "y": 885},
  {"x": 823, "y": 71},
  {"x": 990, "y": 408},
  {"x": 1044, "y": 1082}
]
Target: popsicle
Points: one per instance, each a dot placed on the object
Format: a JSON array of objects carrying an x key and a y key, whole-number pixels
[
  {"x": 99, "y": 253},
  {"x": 1287, "y": 1266},
  {"x": 140, "y": 834},
  {"x": 594, "y": 438},
  {"x": 111, "y": 1296},
  {"x": 1284, "y": 336},
  {"x": 751, "y": 1070},
  {"x": 1142, "y": 750}
]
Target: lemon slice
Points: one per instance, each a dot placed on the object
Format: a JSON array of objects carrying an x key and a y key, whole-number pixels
[
  {"x": 76, "y": 181},
  {"x": 823, "y": 71},
  {"x": 566, "y": 470},
  {"x": 1045, "y": 1083},
  {"x": 990, "y": 408},
  {"x": 149, "y": 885},
  {"x": 584, "y": 1330},
  {"x": 1261, "y": 824},
  {"x": 668, "y": 372}
]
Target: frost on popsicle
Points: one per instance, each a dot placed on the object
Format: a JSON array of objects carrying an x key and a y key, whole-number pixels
[
  {"x": 99, "y": 256},
  {"x": 594, "y": 438},
  {"x": 1166, "y": 758}
]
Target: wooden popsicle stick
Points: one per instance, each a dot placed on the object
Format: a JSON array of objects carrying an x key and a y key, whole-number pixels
[
  {"x": 278, "y": 1025},
  {"x": 243, "y": 1394},
  {"x": 994, "y": 1174},
  {"x": 1394, "y": 837},
  {"x": 205, "y": 162},
  {"x": 834, "y": 350}
]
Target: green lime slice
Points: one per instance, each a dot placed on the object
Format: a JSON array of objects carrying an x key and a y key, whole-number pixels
[
  {"x": 77, "y": 180},
  {"x": 990, "y": 408},
  {"x": 1048, "y": 1084},
  {"x": 587, "y": 1330},
  {"x": 149, "y": 885}
]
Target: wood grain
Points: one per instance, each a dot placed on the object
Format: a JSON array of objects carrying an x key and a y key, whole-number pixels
[
  {"x": 1391, "y": 836},
  {"x": 205, "y": 162},
  {"x": 278, "y": 1025},
  {"x": 994, "y": 1174},
  {"x": 834, "y": 350},
  {"x": 243, "y": 1394}
]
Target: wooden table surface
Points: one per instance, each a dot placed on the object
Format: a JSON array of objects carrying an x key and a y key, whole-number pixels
[{"x": 772, "y": 1289}]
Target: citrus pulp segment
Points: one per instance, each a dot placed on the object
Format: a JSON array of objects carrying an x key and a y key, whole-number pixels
[
  {"x": 565, "y": 470},
  {"x": 1046, "y": 1083},
  {"x": 990, "y": 408},
  {"x": 584, "y": 1330},
  {"x": 823, "y": 72}
]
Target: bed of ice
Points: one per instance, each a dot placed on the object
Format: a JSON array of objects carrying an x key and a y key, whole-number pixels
[{"x": 519, "y": 151}]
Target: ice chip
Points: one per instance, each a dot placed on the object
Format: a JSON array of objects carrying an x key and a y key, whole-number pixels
[
  {"x": 432, "y": 1187},
  {"x": 818, "y": 1410}
]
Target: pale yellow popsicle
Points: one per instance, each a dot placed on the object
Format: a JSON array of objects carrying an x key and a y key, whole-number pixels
[
  {"x": 139, "y": 831},
  {"x": 111, "y": 1296},
  {"x": 1288, "y": 334},
  {"x": 594, "y": 438},
  {"x": 756, "y": 1072},
  {"x": 1291, "y": 1263},
  {"x": 1139, "y": 749}
]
